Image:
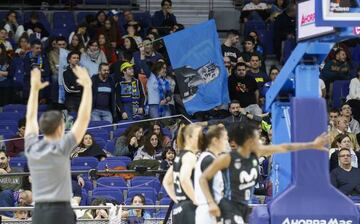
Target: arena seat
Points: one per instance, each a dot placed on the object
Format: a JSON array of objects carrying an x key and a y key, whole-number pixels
[
  {"x": 18, "y": 162},
  {"x": 90, "y": 161},
  {"x": 112, "y": 194},
  {"x": 146, "y": 181},
  {"x": 339, "y": 93},
  {"x": 14, "y": 108},
  {"x": 110, "y": 146},
  {"x": 148, "y": 201},
  {"x": 119, "y": 131},
  {"x": 81, "y": 16},
  {"x": 113, "y": 182},
  {"x": 7, "y": 134},
  {"x": 8, "y": 124},
  {"x": 125, "y": 159},
  {"x": 64, "y": 32},
  {"x": 110, "y": 164},
  {"x": 11, "y": 116},
  {"x": 64, "y": 20}
]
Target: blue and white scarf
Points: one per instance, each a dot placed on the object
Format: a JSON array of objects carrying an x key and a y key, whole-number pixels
[{"x": 164, "y": 91}]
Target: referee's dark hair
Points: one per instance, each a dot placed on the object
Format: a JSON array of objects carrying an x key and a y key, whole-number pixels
[
  {"x": 240, "y": 133},
  {"x": 50, "y": 121}
]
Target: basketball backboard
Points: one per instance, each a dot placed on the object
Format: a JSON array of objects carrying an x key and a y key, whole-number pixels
[{"x": 337, "y": 13}]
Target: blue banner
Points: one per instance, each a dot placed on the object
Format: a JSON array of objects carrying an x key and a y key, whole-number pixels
[{"x": 196, "y": 58}]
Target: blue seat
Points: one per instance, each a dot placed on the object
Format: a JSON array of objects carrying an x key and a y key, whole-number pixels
[
  {"x": 148, "y": 201},
  {"x": 90, "y": 161},
  {"x": 288, "y": 47},
  {"x": 19, "y": 162},
  {"x": 253, "y": 26},
  {"x": 146, "y": 181},
  {"x": 112, "y": 182},
  {"x": 80, "y": 168},
  {"x": 7, "y": 134},
  {"x": 84, "y": 197},
  {"x": 110, "y": 146},
  {"x": 120, "y": 2},
  {"x": 63, "y": 32},
  {"x": 119, "y": 131},
  {"x": 64, "y": 20},
  {"x": 99, "y": 133},
  {"x": 17, "y": 72},
  {"x": 127, "y": 160},
  {"x": 163, "y": 193},
  {"x": 113, "y": 194},
  {"x": 147, "y": 192},
  {"x": 8, "y": 124},
  {"x": 100, "y": 141},
  {"x": 94, "y": 2},
  {"x": 14, "y": 108},
  {"x": 81, "y": 16},
  {"x": 110, "y": 164},
  {"x": 165, "y": 201},
  {"x": 340, "y": 91},
  {"x": 108, "y": 126},
  {"x": 11, "y": 116}
]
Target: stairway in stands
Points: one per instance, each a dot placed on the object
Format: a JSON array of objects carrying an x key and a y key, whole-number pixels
[{"x": 189, "y": 12}]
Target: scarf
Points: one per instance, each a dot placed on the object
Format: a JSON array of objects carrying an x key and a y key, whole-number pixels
[
  {"x": 164, "y": 91},
  {"x": 93, "y": 55},
  {"x": 38, "y": 58}
]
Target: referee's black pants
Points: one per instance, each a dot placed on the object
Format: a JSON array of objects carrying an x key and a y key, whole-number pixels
[{"x": 53, "y": 213}]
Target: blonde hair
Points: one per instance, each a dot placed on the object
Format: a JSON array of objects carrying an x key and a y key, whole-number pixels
[{"x": 187, "y": 131}]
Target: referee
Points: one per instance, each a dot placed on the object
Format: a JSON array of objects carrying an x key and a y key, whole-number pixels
[{"x": 49, "y": 158}]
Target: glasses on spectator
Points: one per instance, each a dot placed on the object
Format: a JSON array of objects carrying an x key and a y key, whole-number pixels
[
  {"x": 346, "y": 155},
  {"x": 94, "y": 45}
]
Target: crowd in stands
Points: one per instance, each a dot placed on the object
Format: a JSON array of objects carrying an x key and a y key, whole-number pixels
[{"x": 133, "y": 80}]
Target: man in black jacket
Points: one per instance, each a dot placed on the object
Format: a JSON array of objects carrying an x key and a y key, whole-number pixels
[
  {"x": 103, "y": 88},
  {"x": 73, "y": 90}
]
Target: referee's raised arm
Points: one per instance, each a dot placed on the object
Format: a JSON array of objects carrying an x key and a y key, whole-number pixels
[
  {"x": 32, "y": 126},
  {"x": 84, "y": 113}
]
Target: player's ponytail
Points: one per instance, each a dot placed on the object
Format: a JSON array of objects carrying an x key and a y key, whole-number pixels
[{"x": 180, "y": 140}]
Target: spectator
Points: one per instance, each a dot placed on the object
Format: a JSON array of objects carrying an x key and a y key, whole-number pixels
[
  {"x": 255, "y": 10},
  {"x": 274, "y": 72},
  {"x": 13, "y": 183},
  {"x": 11, "y": 198},
  {"x": 277, "y": 8},
  {"x": 106, "y": 47},
  {"x": 156, "y": 128},
  {"x": 346, "y": 111},
  {"x": 353, "y": 99},
  {"x": 111, "y": 32},
  {"x": 136, "y": 215},
  {"x": 23, "y": 47},
  {"x": 36, "y": 27},
  {"x": 73, "y": 90},
  {"x": 16, "y": 147},
  {"x": 81, "y": 31},
  {"x": 132, "y": 31},
  {"x": 164, "y": 19},
  {"x": 229, "y": 48},
  {"x": 22, "y": 215},
  {"x": 128, "y": 48},
  {"x": 260, "y": 77},
  {"x": 159, "y": 91},
  {"x": 258, "y": 46},
  {"x": 101, "y": 18},
  {"x": 249, "y": 51},
  {"x": 168, "y": 157},
  {"x": 345, "y": 177},
  {"x": 76, "y": 44},
  {"x": 104, "y": 106},
  {"x": 284, "y": 26},
  {"x": 129, "y": 94},
  {"x": 333, "y": 116},
  {"x": 4, "y": 41},
  {"x": 36, "y": 58},
  {"x": 336, "y": 69},
  {"x": 97, "y": 214},
  {"x": 343, "y": 141},
  {"x": 93, "y": 53},
  {"x": 342, "y": 127},
  {"x": 130, "y": 20},
  {"x": 88, "y": 147},
  {"x": 6, "y": 92},
  {"x": 14, "y": 29},
  {"x": 54, "y": 56},
  {"x": 244, "y": 89},
  {"x": 228, "y": 65},
  {"x": 238, "y": 114},
  {"x": 146, "y": 56},
  {"x": 129, "y": 142},
  {"x": 151, "y": 149}
]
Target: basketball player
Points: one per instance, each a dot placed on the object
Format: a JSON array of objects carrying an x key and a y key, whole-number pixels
[
  {"x": 216, "y": 140},
  {"x": 178, "y": 180},
  {"x": 240, "y": 171},
  {"x": 49, "y": 158}
]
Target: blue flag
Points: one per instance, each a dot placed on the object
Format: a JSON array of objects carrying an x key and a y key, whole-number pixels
[{"x": 196, "y": 58}]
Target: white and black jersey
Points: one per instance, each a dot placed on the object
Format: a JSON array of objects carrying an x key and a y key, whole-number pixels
[
  {"x": 216, "y": 186},
  {"x": 184, "y": 210}
]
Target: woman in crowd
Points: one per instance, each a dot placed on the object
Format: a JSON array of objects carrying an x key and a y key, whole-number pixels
[
  {"x": 76, "y": 44},
  {"x": 111, "y": 32},
  {"x": 23, "y": 46},
  {"x": 14, "y": 29},
  {"x": 128, "y": 48},
  {"x": 94, "y": 54},
  {"x": 258, "y": 46},
  {"x": 132, "y": 32},
  {"x": 81, "y": 31},
  {"x": 5, "y": 89},
  {"x": 101, "y": 17},
  {"x": 159, "y": 91},
  {"x": 354, "y": 95},
  {"x": 97, "y": 214},
  {"x": 88, "y": 147},
  {"x": 151, "y": 150},
  {"x": 178, "y": 180},
  {"x": 156, "y": 128},
  {"x": 136, "y": 215},
  {"x": 129, "y": 142},
  {"x": 107, "y": 48},
  {"x": 343, "y": 141}
]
